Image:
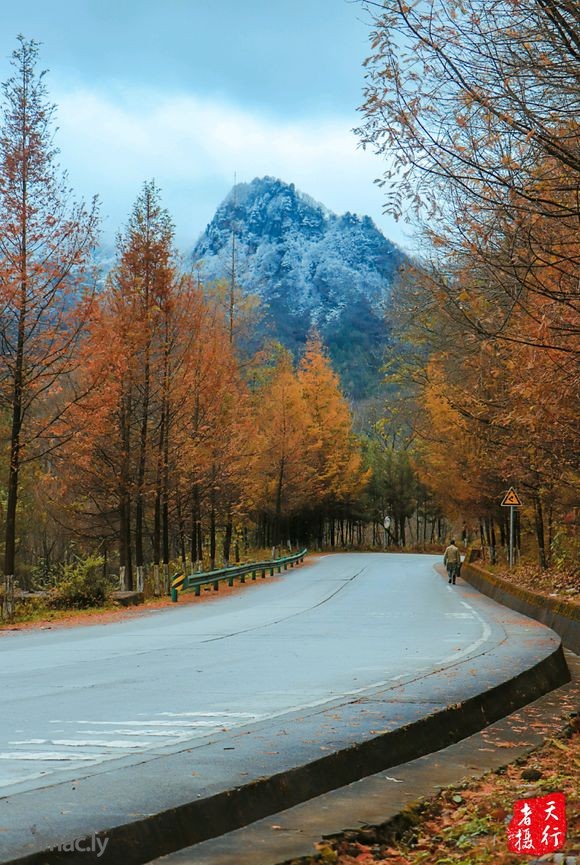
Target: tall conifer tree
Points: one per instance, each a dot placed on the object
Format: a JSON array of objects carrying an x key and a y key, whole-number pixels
[{"x": 45, "y": 238}]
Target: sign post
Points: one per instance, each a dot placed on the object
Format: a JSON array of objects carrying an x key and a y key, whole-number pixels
[{"x": 512, "y": 501}]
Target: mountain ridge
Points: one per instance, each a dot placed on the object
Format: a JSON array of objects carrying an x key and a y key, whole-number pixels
[{"x": 311, "y": 268}]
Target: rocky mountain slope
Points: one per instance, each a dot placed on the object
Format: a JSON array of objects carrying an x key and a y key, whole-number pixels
[{"x": 310, "y": 267}]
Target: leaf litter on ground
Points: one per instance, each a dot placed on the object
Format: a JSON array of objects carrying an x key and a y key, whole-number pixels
[{"x": 467, "y": 824}]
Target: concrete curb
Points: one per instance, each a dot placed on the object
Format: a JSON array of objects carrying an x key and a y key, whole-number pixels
[
  {"x": 563, "y": 617},
  {"x": 173, "y": 829},
  {"x": 364, "y": 808}
]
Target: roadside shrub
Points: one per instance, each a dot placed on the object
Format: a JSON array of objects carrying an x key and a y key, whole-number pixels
[
  {"x": 43, "y": 577},
  {"x": 31, "y": 607},
  {"x": 82, "y": 585}
]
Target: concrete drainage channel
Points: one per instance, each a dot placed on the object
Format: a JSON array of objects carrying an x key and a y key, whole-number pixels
[{"x": 142, "y": 812}]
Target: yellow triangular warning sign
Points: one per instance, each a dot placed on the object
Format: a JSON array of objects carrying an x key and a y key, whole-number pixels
[{"x": 511, "y": 499}]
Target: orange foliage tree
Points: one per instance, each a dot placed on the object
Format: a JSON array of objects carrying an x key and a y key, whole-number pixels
[
  {"x": 45, "y": 240},
  {"x": 158, "y": 448},
  {"x": 476, "y": 107},
  {"x": 336, "y": 454},
  {"x": 306, "y": 468}
]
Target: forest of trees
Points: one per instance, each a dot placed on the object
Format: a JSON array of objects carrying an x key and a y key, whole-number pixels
[
  {"x": 137, "y": 426},
  {"x": 475, "y": 105},
  {"x": 134, "y": 425}
]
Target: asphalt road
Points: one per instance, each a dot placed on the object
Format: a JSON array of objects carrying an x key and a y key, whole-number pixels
[{"x": 75, "y": 700}]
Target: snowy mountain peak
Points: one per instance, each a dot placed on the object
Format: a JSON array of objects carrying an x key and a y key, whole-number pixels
[{"x": 310, "y": 267}]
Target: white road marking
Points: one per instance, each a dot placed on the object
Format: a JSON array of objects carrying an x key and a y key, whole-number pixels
[
  {"x": 41, "y": 756},
  {"x": 486, "y": 634},
  {"x": 136, "y": 735},
  {"x": 80, "y": 743},
  {"x": 161, "y": 724},
  {"x": 205, "y": 714},
  {"x": 101, "y": 743},
  {"x": 164, "y": 733}
]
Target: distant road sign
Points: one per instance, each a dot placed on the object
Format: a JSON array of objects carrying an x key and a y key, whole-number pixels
[
  {"x": 387, "y": 523},
  {"x": 511, "y": 499}
]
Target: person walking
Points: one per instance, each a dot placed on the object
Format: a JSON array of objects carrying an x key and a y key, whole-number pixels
[{"x": 452, "y": 561}]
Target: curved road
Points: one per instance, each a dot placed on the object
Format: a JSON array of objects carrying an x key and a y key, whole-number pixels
[{"x": 339, "y": 627}]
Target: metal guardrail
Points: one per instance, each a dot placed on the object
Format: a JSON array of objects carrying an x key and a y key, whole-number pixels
[{"x": 180, "y": 582}]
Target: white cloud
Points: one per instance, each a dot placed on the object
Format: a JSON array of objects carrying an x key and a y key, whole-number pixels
[{"x": 192, "y": 147}]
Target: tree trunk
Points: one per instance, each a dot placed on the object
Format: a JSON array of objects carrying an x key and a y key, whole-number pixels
[
  {"x": 17, "y": 392},
  {"x": 416, "y": 525},
  {"x": 550, "y": 533},
  {"x": 482, "y": 539},
  {"x": 228, "y": 539},
  {"x": 492, "y": 546},
  {"x": 125, "y": 551},
  {"x": 402, "y": 525},
  {"x": 199, "y": 536},
  {"x": 125, "y": 557},
  {"x": 212, "y": 540},
  {"x": 157, "y": 503},
  {"x": 539, "y": 525},
  {"x": 181, "y": 530},
  {"x": 141, "y": 465},
  {"x": 13, "y": 471},
  {"x": 193, "y": 536},
  {"x": 165, "y": 516},
  {"x": 279, "y": 503},
  {"x": 197, "y": 529}
]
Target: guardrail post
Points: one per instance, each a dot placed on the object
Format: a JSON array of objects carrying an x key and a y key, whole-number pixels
[
  {"x": 177, "y": 582},
  {"x": 216, "y": 586},
  {"x": 230, "y": 582},
  {"x": 197, "y": 591},
  {"x": 272, "y": 571}
]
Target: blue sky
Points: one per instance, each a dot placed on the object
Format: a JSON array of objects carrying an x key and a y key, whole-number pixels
[{"x": 190, "y": 92}]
